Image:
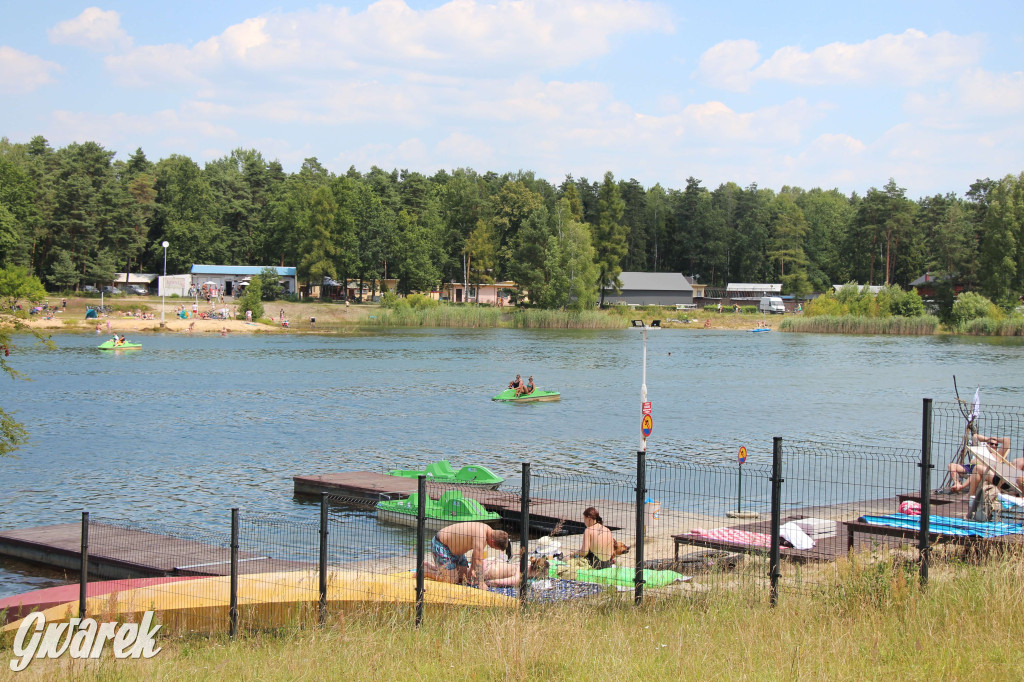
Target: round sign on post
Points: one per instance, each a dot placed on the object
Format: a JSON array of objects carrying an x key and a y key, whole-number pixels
[
  {"x": 743, "y": 454},
  {"x": 647, "y": 425}
]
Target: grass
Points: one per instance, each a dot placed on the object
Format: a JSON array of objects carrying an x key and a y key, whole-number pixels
[
  {"x": 987, "y": 326},
  {"x": 870, "y": 621},
  {"x": 850, "y": 324}
]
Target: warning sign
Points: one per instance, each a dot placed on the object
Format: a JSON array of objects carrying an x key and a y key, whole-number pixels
[{"x": 647, "y": 425}]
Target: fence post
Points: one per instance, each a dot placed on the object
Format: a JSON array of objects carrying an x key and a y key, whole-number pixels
[
  {"x": 524, "y": 533},
  {"x": 923, "y": 543},
  {"x": 641, "y": 518},
  {"x": 323, "y": 558},
  {"x": 774, "y": 560},
  {"x": 233, "y": 603},
  {"x": 421, "y": 522},
  {"x": 83, "y": 578}
]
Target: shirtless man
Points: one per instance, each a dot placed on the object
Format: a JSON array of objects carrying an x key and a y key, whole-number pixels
[{"x": 452, "y": 543}]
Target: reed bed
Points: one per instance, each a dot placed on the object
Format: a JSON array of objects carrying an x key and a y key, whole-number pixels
[
  {"x": 482, "y": 316},
  {"x": 872, "y": 622},
  {"x": 850, "y": 324},
  {"x": 564, "y": 319},
  {"x": 987, "y": 326}
]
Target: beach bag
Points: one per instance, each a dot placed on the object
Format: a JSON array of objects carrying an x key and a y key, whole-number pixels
[{"x": 984, "y": 506}]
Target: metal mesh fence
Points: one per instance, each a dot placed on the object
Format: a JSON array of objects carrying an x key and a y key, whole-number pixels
[
  {"x": 830, "y": 494},
  {"x": 690, "y": 526},
  {"x": 708, "y": 522},
  {"x": 181, "y": 572}
]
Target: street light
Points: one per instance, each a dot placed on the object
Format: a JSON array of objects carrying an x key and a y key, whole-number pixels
[
  {"x": 163, "y": 284},
  {"x": 648, "y": 422}
]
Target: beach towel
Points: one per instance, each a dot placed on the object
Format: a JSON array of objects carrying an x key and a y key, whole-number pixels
[
  {"x": 560, "y": 590},
  {"x": 794, "y": 535},
  {"x": 946, "y": 525},
  {"x": 739, "y": 537}
]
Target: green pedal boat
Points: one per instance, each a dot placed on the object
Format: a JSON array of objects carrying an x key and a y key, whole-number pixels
[
  {"x": 453, "y": 507},
  {"x": 442, "y": 472},
  {"x": 127, "y": 345},
  {"x": 538, "y": 396}
]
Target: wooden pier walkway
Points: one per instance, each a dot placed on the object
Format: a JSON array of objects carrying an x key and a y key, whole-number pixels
[
  {"x": 116, "y": 552},
  {"x": 545, "y": 514}
]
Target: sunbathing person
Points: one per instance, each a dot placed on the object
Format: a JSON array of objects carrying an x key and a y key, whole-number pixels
[
  {"x": 498, "y": 572},
  {"x": 598, "y": 543},
  {"x": 979, "y": 472}
]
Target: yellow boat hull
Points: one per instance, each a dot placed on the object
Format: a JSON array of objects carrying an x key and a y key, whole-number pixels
[{"x": 265, "y": 599}]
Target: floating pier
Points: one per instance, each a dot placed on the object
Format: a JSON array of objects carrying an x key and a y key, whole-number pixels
[{"x": 116, "y": 552}]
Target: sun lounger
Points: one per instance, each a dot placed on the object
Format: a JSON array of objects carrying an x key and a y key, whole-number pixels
[
  {"x": 754, "y": 538},
  {"x": 1006, "y": 474}
]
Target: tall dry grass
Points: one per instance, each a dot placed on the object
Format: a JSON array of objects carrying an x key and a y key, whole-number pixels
[
  {"x": 850, "y": 324},
  {"x": 871, "y": 621}
]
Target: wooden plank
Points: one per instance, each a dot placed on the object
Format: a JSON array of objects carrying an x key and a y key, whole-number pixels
[{"x": 116, "y": 552}]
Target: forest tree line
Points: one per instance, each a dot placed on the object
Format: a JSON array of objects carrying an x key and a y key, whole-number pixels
[{"x": 74, "y": 216}]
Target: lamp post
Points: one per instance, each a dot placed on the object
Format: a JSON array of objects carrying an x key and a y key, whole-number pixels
[{"x": 163, "y": 285}]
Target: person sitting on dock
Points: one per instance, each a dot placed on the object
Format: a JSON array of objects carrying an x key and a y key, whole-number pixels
[
  {"x": 526, "y": 389},
  {"x": 452, "y": 543},
  {"x": 598, "y": 543},
  {"x": 515, "y": 383},
  {"x": 980, "y": 472},
  {"x": 999, "y": 446}
]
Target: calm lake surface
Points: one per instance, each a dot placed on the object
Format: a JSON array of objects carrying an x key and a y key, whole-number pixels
[{"x": 191, "y": 426}]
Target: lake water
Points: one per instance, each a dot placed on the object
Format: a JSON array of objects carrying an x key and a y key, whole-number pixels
[{"x": 191, "y": 426}]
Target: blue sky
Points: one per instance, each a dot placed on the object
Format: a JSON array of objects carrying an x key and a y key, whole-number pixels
[{"x": 808, "y": 94}]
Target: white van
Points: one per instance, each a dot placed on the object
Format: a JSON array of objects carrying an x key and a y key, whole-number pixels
[{"x": 772, "y": 305}]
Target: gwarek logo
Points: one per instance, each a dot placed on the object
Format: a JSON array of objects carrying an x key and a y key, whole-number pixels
[{"x": 82, "y": 638}]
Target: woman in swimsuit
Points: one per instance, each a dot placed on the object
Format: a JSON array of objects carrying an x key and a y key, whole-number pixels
[{"x": 598, "y": 544}]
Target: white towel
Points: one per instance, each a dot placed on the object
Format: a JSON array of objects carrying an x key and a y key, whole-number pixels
[{"x": 793, "y": 534}]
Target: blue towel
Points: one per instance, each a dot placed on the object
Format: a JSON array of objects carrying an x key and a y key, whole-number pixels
[
  {"x": 945, "y": 525},
  {"x": 561, "y": 590}
]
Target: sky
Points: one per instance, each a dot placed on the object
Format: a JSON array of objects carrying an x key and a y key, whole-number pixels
[{"x": 812, "y": 94}]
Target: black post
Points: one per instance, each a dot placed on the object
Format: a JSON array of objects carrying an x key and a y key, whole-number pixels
[
  {"x": 926, "y": 488},
  {"x": 524, "y": 534},
  {"x": 774, "y": 560},
  {"x": 233, "y": 603},
  {"x": 421, "y": 522},
  {"x": 641, "y": 519},
  {"x": 83, "y": 579},
  {"x": 323, "y": 558}
]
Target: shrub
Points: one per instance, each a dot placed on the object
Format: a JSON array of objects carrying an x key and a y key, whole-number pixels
[
  {"x": 421, "y": 302},
  {"x": 971, "y": 306}
]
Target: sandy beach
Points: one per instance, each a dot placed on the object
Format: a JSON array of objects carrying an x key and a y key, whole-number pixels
[{"x": 298, "y": 316}]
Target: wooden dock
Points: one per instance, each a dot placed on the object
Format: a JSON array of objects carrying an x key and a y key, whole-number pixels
[
  {"x": 545, "y": 514},
  {"x": 116, "y": 552}
]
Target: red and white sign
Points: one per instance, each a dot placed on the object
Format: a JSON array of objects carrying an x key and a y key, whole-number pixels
[{"x": 645, "y": 408}]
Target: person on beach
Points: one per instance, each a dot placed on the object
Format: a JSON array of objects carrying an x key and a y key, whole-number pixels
[
  {"x": 450, "y": 546},
  {"x": 503, "y": 573},
  {"x": 598, "y": 543}
]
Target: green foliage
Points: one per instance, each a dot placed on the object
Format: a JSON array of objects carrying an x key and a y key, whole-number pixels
[
  {"x": 970, "y": 306},
  {"x": 271, "y": 284},
  {"x": 63, "y": 273},
  {"x": 252, "y": 299},
  {"x": 855, "y": 301},
  {"x": 389, "y": 300},
  {"x": 421, "y": 302},
  {"x": 17, "y": 284}
]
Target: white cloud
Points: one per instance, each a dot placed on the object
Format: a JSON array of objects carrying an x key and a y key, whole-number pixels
[
  {"x": 21, "y": 72},
  {"x": 170, "y": 128},
  {"x": 460, "y": 37},
  {"x": 992, "y": 94},
  {"x": 94, "y": 29},
  {"x": 728, "y": 64},
  {"x": 910, "y": 58}
]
